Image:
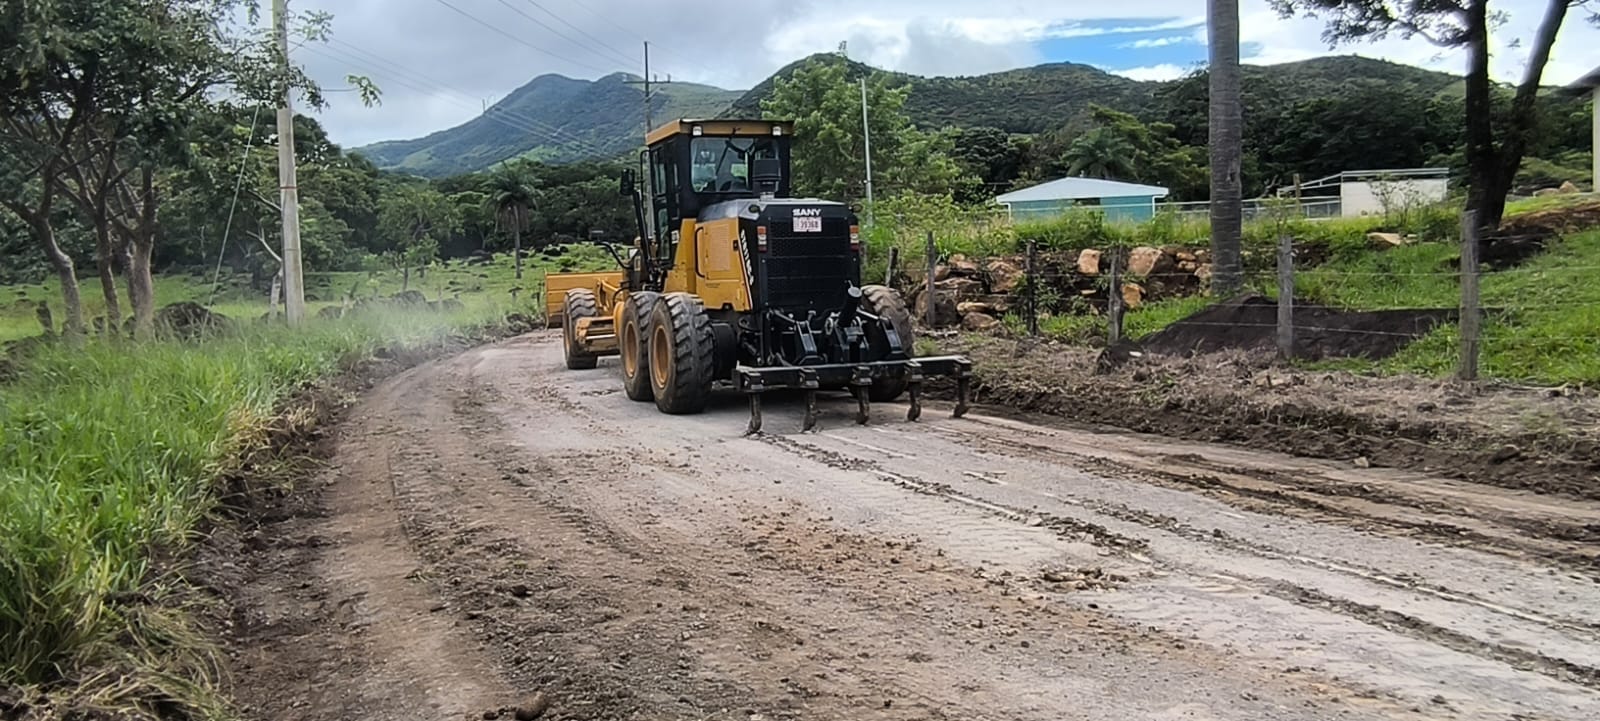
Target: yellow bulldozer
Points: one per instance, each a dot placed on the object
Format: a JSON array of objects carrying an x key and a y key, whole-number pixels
[{"x": 732, "y": 281}]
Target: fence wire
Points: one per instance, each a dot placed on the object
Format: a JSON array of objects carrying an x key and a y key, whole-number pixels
[{"x": 1052, "y": 295}]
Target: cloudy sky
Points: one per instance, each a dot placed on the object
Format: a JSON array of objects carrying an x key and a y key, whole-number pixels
[{"x": 439, "y": 61}]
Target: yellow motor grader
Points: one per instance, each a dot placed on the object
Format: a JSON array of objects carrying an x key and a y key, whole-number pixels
[{"x": 733, "y": 281}]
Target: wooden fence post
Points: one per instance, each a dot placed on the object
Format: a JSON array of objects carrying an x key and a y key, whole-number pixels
[
  {"x": 1286, "y": 296},
  {"x": 1470, "y": 317},
  {"x": 894, "y": 260},
  {"x": 1033, "y": 287},
  {"x": 931, "y": 295},
  {"x": 1114, "y": 299}
]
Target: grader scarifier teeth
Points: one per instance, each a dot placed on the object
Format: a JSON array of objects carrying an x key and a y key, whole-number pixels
[{"x": 753, "y": 382}]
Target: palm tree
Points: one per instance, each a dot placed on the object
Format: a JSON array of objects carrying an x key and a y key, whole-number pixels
[
  {"x": 1099, "y": 153},
  {"x": 1227, "y": 138},
  {"x": 510, "y": 189}
]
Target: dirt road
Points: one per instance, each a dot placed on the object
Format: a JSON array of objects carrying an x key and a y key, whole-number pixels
[{"x": 495, "y": 529}]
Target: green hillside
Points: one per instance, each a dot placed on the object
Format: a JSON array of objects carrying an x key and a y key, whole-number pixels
[
  {"x": 578, "y": 119},
  {"x": 553, "y": 118}
]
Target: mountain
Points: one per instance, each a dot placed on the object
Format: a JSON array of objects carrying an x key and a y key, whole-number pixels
[
  {"x": 552, "y": 118},
  {"x": 603, "y": 117},
  {"x": 1027, "y": 100}
]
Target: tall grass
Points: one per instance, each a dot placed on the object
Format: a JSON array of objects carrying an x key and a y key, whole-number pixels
[{"x": 108, "y": 456}]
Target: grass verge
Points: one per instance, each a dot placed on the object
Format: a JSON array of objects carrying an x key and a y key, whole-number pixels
[
  {"x": 1542, "y": 320},
  {"x": 110, "y": 457}
]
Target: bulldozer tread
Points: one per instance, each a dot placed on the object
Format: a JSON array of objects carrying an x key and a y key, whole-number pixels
[
  {"x": 634, "y": 336},
  {"x": 885, "y": 302},
  {"x": 682, "y": 381},
  {"x": 579, "y": 303}
]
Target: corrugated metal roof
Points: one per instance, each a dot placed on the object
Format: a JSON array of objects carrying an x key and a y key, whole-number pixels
[
  {"x": 1587, "y": 82},
  {"x": 1080, "y": 189}
]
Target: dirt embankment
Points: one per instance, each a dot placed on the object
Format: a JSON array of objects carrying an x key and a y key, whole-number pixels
[{"x": 1547, "y": 440}]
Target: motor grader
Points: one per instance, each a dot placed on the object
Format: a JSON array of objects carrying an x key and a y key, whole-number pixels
[{"x": 732, "y": 281}]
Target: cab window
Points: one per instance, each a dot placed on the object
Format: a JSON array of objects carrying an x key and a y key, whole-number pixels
[{"x": 722, "y": 165}]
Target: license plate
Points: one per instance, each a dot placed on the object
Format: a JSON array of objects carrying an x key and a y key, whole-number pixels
[{"x": 808, "y": 225}]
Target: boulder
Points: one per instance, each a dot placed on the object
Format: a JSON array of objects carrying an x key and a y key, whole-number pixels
[
  {"x": 971, "y": 307},
  {"x": 1385, "y": 241},
  {"x": 1004, "y": 275},
  {"x": 1568, "y": 188},
  {"x": 1089, "y": 261},
  {"x": 998, "y": 302},
  {"x": 962, "y": 266},
  {"x": 944, "y": 308},
  {"x": 1188, "y": 266},
  {"x": 979, "y": 322},
  {"x": 1185, "y": 256},
  {"x": 960, "y": 288},
  {"x": 1542, "y": 192},
  {"x": 409, "y": 297},
  {"x": 1145, "y": 261},
  {"x": 190, "y": 320},
  {"x": 1132, "y": 295},
  {"x": 1203, "y": 273}
]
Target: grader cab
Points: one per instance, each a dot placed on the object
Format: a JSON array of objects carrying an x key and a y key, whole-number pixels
[{"x": 732, "y": 281}]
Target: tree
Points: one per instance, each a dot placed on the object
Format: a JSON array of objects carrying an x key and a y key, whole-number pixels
[
  {"x": 101, "y": 98},
  {"x": 418, "y": 218},
  {"x": 1227, "y": 147},
  {"x": 1494, "y": 146},
  {"x": 830, "y": 145},
  {"x": 1100, "y": 153},
  {"x": 510, "y": 189}
]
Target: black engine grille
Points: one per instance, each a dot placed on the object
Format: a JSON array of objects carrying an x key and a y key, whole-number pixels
[{"x": 808, "y": 272}]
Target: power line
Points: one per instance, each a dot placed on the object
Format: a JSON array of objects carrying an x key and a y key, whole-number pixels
[
  {"x": 417, "y": 81},
  {"x": 636, "y": 34},
  {"x": 509, "y": 120},
  {"x": 518, "y": 40},
  {"x": 582, "y": 32},
  {"x": 598, "y": 51},
  {"x": 417, "y": 76}
]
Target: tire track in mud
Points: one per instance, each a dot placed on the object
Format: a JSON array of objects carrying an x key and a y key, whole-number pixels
[
  {"x": 770, "y": 569},
  {"x": 1324, "y": 486},
  {"x": 1396, "y": 621},
  {"x": 1276, "y": 499},
  {"x": 1063, "y": 526},
  {"x": 1556, "y": 668}
]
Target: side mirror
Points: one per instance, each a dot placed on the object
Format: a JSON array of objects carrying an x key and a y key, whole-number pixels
[{"x": 626, "y": 187}]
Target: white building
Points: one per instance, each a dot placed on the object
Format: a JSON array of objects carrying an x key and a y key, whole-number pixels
[{"x": 1374, "y": 192}]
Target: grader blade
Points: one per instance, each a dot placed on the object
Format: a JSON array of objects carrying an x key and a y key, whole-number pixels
[{"x": 858, "y": 377}]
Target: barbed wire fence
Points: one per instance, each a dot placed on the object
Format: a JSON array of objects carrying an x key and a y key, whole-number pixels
[{"x": 1036, "y": 290}]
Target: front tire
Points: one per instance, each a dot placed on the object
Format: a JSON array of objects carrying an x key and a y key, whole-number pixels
[
  {"x": 633, "y": 341},
  {"x": 682, "y": 354},
  {"x": 579, "y": 304},
  {"x": 886, "y": 303}
]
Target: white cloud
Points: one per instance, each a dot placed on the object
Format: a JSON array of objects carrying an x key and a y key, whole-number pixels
[
  {"x": 461, "y": 61},
  {"x": 1157, "y": 42},
  {"x": 1164, "y": 71}
]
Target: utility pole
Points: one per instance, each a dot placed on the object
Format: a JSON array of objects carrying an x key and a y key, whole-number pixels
[
  {"x": 866, "y": 131},
  {"x": 649, "y": 123},
  {"x": 294, "y": 288}
]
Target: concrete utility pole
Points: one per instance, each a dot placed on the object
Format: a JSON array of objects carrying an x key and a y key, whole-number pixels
[
  {"x": 294, "y": 287},
  {"x": 866, "y": 130},
  {"x": 649, "y": 122}
]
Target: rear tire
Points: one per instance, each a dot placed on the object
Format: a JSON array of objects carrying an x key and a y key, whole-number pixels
[
  {"x": 885, "y": 303},
  {"x": 682, "y": 353},
  {"x": 578, "y": 304},
  {"x": 633, "y": 341}
]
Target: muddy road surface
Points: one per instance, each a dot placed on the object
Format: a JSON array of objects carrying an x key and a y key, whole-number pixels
[{"x": 499, "y": 537}]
